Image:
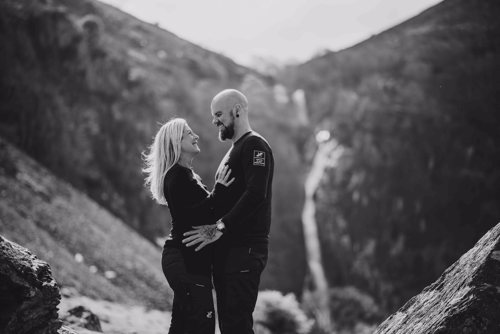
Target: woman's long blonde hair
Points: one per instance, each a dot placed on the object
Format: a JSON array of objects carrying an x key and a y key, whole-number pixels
[{"x": 163, "y": 154}]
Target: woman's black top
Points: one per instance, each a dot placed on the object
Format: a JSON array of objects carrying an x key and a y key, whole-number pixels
[{"x": 190, "y": 204}]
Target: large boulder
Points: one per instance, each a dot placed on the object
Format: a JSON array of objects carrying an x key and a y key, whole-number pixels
[
  {"x": 465, "y": 299},
  {"x": 29, "y": 294}
]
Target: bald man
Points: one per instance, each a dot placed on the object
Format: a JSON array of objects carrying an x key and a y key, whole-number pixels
[{"x": 242, "y": 234}]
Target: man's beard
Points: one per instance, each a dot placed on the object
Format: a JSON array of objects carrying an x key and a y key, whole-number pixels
[{"x": 227, "y": 132}]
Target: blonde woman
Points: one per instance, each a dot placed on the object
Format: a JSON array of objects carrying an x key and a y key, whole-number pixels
[{"x": 172, "y": 182}]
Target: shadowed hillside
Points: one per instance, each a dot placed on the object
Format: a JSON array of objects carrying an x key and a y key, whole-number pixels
[
  {"x": 416, "y": 110},
  {"x": 84, "y": 86},
  {"x": 86, "y": 247}
]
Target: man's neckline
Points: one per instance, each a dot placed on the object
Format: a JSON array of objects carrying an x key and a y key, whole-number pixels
[{"x": 242, "y": 136}]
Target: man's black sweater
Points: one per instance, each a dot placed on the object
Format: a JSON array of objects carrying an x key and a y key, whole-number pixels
[{"x": 245, "y": 206}]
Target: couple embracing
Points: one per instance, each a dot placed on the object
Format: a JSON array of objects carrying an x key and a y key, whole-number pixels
[{"x": 218, "y": 237}]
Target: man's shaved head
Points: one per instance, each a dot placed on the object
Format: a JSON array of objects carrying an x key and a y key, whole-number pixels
[
  {"x": 229, "y": 110},
  {"x": 227, "y": 99}
]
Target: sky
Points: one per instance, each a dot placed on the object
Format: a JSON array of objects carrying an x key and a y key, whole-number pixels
[{"x": 280, "y": 30}]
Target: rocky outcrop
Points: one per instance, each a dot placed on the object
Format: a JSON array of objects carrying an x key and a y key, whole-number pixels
[
  {"x": 29, "y": 294},
  {"x": 78, "y": 330},
  {"x": 465, "y": 299},
  {"x": 66, "y": 330}
]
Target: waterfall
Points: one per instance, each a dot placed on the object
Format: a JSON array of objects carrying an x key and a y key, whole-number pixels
[{"x": 327, "y": 155}]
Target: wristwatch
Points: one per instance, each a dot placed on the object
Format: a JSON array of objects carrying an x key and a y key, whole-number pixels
[{"x": 220, "y": 226}]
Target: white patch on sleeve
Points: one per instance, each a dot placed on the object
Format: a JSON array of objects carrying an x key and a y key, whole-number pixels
[{"x": 259, "y": 158}]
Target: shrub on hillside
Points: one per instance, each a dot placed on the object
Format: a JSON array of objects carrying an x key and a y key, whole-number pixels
[
  {"x": 278, "y": 313},
  {"x": 350, "y": 307}
]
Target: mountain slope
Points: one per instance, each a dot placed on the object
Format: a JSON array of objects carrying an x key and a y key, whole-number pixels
[
  {"x": 84, "y": 86},
  {"x": 86, "y": 247},
  {"x": 416, "y": 109}
]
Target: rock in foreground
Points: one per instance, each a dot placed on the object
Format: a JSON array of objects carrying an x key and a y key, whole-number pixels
[
  {"x": 29, "y": 294},
  {"x": 465, "y": 299},
  {"x": 82, "y": 317}
]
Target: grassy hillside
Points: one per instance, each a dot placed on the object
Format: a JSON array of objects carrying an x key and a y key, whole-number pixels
[
  {"x": 57, "y": 222},
  {"x": 416, "y": 108}
]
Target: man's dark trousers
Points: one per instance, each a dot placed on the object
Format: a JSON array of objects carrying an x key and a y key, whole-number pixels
[{"x": 236, "y": 279}]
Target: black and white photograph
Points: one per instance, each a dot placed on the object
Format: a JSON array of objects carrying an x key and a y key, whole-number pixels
[{"x": 249, "y": 167}]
